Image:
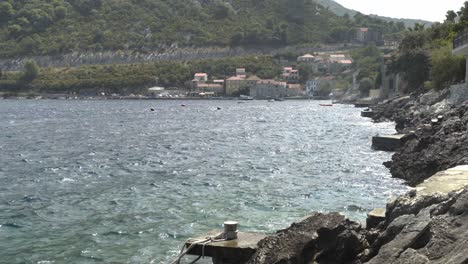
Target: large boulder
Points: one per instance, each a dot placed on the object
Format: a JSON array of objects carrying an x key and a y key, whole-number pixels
[
  {"x": 321, "y": 238},
  {"x": 424, "y": 230}
]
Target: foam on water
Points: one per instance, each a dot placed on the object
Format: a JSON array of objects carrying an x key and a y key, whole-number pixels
[{"x": 90, "y": 181}]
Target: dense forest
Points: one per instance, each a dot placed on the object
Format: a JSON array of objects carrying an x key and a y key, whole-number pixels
[{"x": 38, "y": 27}]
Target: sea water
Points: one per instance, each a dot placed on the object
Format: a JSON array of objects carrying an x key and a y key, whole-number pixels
[{"x": 113, "y": 182}]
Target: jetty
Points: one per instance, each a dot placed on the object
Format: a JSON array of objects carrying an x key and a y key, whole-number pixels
[
  {"x": 387, "y": 142},
  {"x": 238, "y": 250},
  {"x": 367, "y": 113}
]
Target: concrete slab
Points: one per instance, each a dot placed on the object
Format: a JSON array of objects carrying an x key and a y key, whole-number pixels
[
  {"x": 444, "y": 182},
  {"x": 375, "y": 217},
  {"x": 387, "y": 142},
  {"x": 235, "y": 251},
  {"x": 367, "y": 113},
  {"x": 362, "y": 105}
]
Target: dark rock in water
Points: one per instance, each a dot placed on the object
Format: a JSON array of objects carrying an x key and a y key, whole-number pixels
[
  {"x": 12, "y": 225},
  {"x": 355, "y": 208}
]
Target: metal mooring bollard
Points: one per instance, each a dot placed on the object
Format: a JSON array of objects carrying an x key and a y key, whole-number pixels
[{"x": 230, "y": 230}]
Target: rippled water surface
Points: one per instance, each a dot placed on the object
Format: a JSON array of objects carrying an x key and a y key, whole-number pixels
[{"x": 112, "y": 182}]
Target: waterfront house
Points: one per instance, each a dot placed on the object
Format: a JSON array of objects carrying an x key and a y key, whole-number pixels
[
  {"x": 290, "y": 74},
  {"x": 295, "y": 90},
  {"x": 234, "y": 85},
  {"x": 268, "y": 89},
  {"x": 210, "y": 89},
  {"x": 312, "y": 87},
  {"x": 155, "y": 91}
]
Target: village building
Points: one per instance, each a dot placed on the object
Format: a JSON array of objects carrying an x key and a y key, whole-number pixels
[
  {"x": 233, "y": 85},
  {"x": 307, "y": 58},
  {"x": 312, "y": 87},
  {"x": 210, "y": 89},
  {"x": 269, "y": 89},
  {"x": 295, "y": 90},
  {"x": 219, "y": 81},
  {"x": 252, "y": 80},
  {"x": 155, "y": 91},
  {"x": 369, "y": 35},
  {"x": 240, "y": 72},
  {"x": 239, "y": 84},
  {"x": 200, "y": 77},
  {"x": 390, "y": 81},
  {"x": 290, "y": 74}
]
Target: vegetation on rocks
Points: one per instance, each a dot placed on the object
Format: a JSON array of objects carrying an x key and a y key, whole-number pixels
[{"x": 424, "y": 56}]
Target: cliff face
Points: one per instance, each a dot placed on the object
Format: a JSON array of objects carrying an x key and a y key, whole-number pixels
[{"x": 417, "y": 229}]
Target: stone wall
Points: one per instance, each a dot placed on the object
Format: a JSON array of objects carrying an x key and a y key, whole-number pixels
[
  {"x": 163, "y": 54},
  {"x": 458, "y": 94}
]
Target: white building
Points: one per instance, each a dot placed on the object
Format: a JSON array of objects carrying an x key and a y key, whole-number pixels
[
  {"x": 312, "y": 87},
  {"x": 200, "y": 77}
]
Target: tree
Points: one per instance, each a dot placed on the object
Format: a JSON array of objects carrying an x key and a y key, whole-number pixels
[
  {"x": 446, "y": 69},
  {"x": 60, "y": 12},
  {"x": 6, "y": 12},
  {"x": 415, "y": 66},
  {"x": 450, "y": 16},
  {"x": 413, "y": 40},
  {"x": 31, "y": 70},
  {"x": 325, "y": 88},
  {"x": 365, "y": 85}
]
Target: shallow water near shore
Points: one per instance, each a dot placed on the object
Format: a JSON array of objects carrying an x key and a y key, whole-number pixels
[{"x": 111, "y": 181}]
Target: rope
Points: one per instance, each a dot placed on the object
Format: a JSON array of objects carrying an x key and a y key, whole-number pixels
[{"x": 219, "y": 238}]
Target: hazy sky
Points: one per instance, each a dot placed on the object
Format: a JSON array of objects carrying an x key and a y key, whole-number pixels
[{"x": 432, "y": 10}]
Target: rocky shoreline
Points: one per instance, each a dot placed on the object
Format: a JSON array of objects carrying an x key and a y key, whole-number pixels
[{"x": 417, "y": 227}]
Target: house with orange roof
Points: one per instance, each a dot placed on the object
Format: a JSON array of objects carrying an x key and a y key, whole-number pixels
[{"x": 200, "y": 77}]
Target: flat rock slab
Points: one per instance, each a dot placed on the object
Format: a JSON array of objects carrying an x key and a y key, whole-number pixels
[
  {"x": 238, "y": 250},
  {"x": 387, "y": 142},
  {"x": 367, "y": 113},
  {"x": 444, "y": 182},
  {"x": 375, "y": 217}
]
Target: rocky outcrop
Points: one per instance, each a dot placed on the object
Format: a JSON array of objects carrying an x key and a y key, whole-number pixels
[
  {"x": 437, "y": 134},
  {"x": 424, "y": 230},
  {"x": 437, "y": 144},
  {"x": 321, "y": 238},
  {"x": 417, "y": 229}
]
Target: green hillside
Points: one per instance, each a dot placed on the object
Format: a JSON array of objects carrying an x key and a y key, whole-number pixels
[
  {"x": 38, "y": 27},
  {"x": 341, "y": 11}
]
